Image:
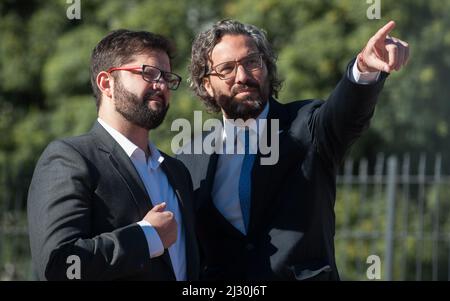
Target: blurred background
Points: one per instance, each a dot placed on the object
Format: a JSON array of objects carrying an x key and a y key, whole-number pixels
[{"x": 393, "y": 196}]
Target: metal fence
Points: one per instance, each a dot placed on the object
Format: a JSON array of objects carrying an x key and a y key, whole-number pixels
[
  {"x": 399, "y": 212},
  {"x": 392, "y": 208},
  {"x": 15, "y": 261}
]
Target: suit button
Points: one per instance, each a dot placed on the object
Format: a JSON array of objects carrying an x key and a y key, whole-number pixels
[{"x": 250, "y": 247}]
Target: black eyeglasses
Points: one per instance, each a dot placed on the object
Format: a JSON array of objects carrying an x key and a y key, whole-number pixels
[
  {"x": 228, "y": 70},
  {"x": 152, "y": 74}
]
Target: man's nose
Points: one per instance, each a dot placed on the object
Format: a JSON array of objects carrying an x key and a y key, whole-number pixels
[
  {"x": 159, "y": 84},
  {"x": 242, "y": 75}
]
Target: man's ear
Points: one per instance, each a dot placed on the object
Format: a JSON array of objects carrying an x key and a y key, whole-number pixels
[
  {"x": 208, "y": 87},
  {"x": 104, "y": 83}
]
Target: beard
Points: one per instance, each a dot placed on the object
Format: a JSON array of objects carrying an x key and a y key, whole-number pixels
[
  {"x": 137, "y": 110},
  {"x": 245, "y": 107}
]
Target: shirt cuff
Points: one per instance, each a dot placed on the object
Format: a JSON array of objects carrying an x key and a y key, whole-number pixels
[
  {"x": 364, "y": 78},
  {"x": 155, "y": 246}
]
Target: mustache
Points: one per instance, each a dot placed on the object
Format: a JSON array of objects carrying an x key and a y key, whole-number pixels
[
  {"x": 236, "y": 89},
  {"x": 153, "y": 94}
]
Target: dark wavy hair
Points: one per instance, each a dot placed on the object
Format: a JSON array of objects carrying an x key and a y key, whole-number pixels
[
  {"x": 207, "y": 40},
  {"x": 119, "y": 47}
]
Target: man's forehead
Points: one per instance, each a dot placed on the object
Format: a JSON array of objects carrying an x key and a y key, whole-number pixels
[
  {"x": 151, "y": 55},
  {"x": 233, "y": 47},
  {"x": 155, "y": 56}
]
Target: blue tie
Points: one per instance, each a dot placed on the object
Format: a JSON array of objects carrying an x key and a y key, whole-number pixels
[{"x": 245, "y": 184}]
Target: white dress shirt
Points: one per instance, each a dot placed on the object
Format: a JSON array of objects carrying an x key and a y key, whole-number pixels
[
  {"x": 363, "y": 78},
  {"x": 159, "y": 190},
  {"x": 225, "y": 192}
]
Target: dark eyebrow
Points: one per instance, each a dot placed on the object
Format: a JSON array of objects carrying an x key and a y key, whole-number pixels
[{"x": 250, "y": 54}]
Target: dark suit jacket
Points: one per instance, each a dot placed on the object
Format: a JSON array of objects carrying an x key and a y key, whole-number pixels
[
  {"x": 292, "y": 221},
  {"x": 85, "y": 199}
]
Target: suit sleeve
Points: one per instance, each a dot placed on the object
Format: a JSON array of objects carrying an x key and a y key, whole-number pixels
[
  {"x": 59, "y": 219},
  {"x": 335, "y": 124}
]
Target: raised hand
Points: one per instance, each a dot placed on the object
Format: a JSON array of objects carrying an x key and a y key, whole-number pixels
[{"x": 383, "y": 52}]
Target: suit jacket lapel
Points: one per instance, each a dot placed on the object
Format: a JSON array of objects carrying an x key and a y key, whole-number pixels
[
  {"x": 206, "y": 192},
  {"x": 122, "y": 163},
  {"x": 209, "y": 164},
  {"x": 261, "y": 174}
]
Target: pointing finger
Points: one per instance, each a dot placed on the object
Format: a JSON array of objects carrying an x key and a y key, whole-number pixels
[{"x": 384, "y": 31}]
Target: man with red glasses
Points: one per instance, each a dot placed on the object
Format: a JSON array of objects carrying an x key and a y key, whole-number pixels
[{"x": 108, "y": 205}]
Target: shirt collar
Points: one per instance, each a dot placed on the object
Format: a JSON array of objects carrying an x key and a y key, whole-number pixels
[
  {"x": 131, "y": 149},
  {"x": 156, "y": 158}
]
